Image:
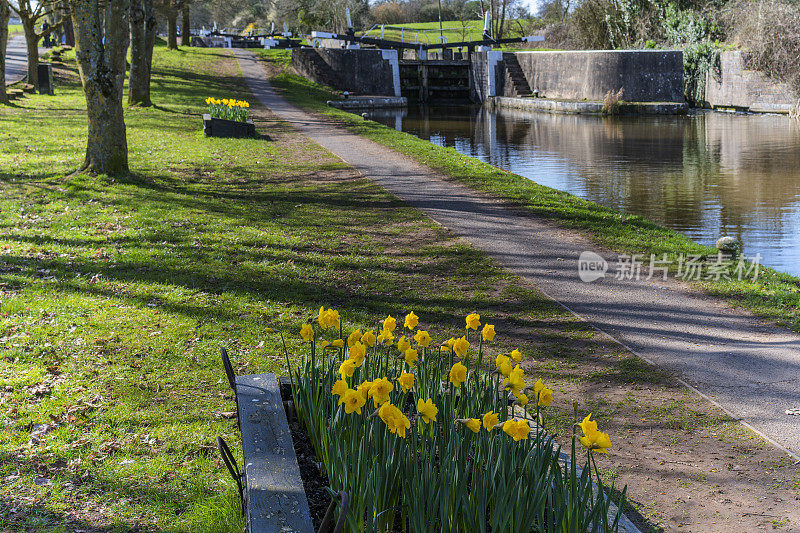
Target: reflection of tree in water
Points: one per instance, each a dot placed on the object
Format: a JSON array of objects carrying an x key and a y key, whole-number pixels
[{"x": 704, "y": 175}]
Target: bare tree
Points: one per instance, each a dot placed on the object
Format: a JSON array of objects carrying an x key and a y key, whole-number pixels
[
  {"x": 101, "y": 44},
  {"x": 5, "y": 14},
  {"x": 29, "y": 12},
  {"x": 143, "y": 35}
]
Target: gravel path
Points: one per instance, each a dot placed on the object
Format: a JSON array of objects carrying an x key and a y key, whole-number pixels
[{"x": 745, "y": 365}]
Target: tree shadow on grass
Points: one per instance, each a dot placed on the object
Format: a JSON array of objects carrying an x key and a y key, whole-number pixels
[{"x": 23, "y": 516}]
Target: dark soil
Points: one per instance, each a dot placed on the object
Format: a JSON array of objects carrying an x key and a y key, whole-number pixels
[{"x": 315, "y": 481}]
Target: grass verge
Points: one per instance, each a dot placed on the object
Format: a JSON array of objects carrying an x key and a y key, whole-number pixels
[{"x": 774, "y": 295}]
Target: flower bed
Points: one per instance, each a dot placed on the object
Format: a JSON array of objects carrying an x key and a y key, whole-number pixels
[
  {"x": 420, "y": 434},
  {"x": 227, "y": 118}
]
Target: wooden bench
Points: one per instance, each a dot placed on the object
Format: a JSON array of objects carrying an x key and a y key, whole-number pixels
[{"x": 274, "y": 496}]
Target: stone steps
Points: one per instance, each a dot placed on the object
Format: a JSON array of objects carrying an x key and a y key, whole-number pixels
[{"x": 515, "y": 76}]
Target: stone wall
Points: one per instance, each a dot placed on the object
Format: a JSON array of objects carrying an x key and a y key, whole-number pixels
[
  {"x": 644, "y": 75},
  {"x": 733, "y": 85},
  {"x": 368, "y": 72}
]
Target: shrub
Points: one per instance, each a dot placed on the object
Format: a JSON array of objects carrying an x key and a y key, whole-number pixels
[
  {"x": 611, "y": 102},
  {"x": 770, "y": 31},
  {"x": 422, "y": 442}
]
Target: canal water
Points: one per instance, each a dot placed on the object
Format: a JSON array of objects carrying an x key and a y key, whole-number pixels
[{"x": 705, "y": 174}]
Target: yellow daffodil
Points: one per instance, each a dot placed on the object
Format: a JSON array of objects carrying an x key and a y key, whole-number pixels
[
  {"x": 473, "y": 321},
  {"x": 516, "y": 355},
  {"x": 522, "y": 399},
  {"x": 307, "y": 332},
  {"x": 357, "y": 353},
  {"x": 324, "y": 344},
  {"x": 515, "y": 380},
  {"x": 448, "y": 346},
  {"x": 460, "y": 346},
  {"x": 385, "y": 337},
  {"x": 389, "y": 323},
  {"x": 353, "y": 401},
  {"x": 338, "y": 343},
  {"x": 379, "y": 391},
  {"x": 403, "y": 344},
  {"x": 592, "y": 438},
  {"x": 354, "y": 337},
  {"x": 422, "y": 338},
  {"x": 458, "y": 374},
  {"x": 339, "y": 388},
  {"x": 503, "y": 364},
  {"x": 369, "y": 339},
  {"x": 347, "y": 368},
  {"x": 487, "y": 333},
  {"x": 411, "y": 356},
  {"x": 394, "y": 419},
  {"x": 474, "y": 424},
  {"x": 543, "y": 394},
  {"x": 411, "y": 320},
  {"x": 490, "y": 420},
  {"x": 328, "y": 319},
  {"x": 406, "y": 381},
  {"x": 427, "y": 410},
  {"x": 517, "y": 429},
  {"x": 364, "y": 389}
]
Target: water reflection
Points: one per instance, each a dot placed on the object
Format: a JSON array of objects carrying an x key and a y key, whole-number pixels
[{"x": 704, "y": 175}]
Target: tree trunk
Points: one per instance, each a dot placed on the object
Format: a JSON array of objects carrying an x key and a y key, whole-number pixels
[
  {"x": 143, "y": 33},
  {"x": 101, "y": 46},
  {"x": 185, "y": 25},
  {"x": 69, "y": 34},
  {"x": 172, "y": 28},
  {"x": 32, "y": 43},
  {"x": 501, "y": 28},
  {"x": 4, "y": 15}
]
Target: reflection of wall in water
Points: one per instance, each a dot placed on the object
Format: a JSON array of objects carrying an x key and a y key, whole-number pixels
[
  {"x": 669, "y": 169},
  {"x": 624, "y": 163}
]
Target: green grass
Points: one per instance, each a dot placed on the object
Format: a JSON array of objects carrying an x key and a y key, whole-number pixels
[
  {"x": 116, "y": 294},
  {"x": 466, "y": 30},
  {"x": 15, "y": 29},
  {"x": 774, "y": 295}
]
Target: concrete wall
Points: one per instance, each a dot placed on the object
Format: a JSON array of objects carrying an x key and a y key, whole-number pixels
[
  {"x": 369, "y": 72},
  {"x": 485, "y": 75},
  {"x": 645, "y": 75},
  {"x": 733, "y": 85}
]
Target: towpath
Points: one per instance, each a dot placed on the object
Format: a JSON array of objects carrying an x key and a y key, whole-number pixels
[
  {"x": 745, "y": 365},
  {"x": 16, "y": 59}
]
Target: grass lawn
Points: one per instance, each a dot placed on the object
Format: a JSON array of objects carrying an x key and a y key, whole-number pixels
[
  {"x": 774, "y": 295},
  {"x": 116, "y": 294},
  {"x": 14, "y": 29},
  {"x": 454, "y": 31}
]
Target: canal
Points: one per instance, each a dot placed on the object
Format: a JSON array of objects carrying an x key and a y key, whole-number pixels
[{"x": 705, "y": 174}]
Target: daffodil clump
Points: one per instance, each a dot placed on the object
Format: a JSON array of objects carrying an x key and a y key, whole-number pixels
[
  {"x": 228, "y": 109},
  {"x": 448, "y": 436}
]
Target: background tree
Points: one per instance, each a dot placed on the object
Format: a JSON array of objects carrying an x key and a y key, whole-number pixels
[
  {"x": 4, "y": 16},
  {"x": 186, "y": 24},
  {"x": 30, "y": 12},
  {"x": 143, "y": 35},
  {"x": 171, "y": 9},
  {"x": 101, "y": 45}
]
